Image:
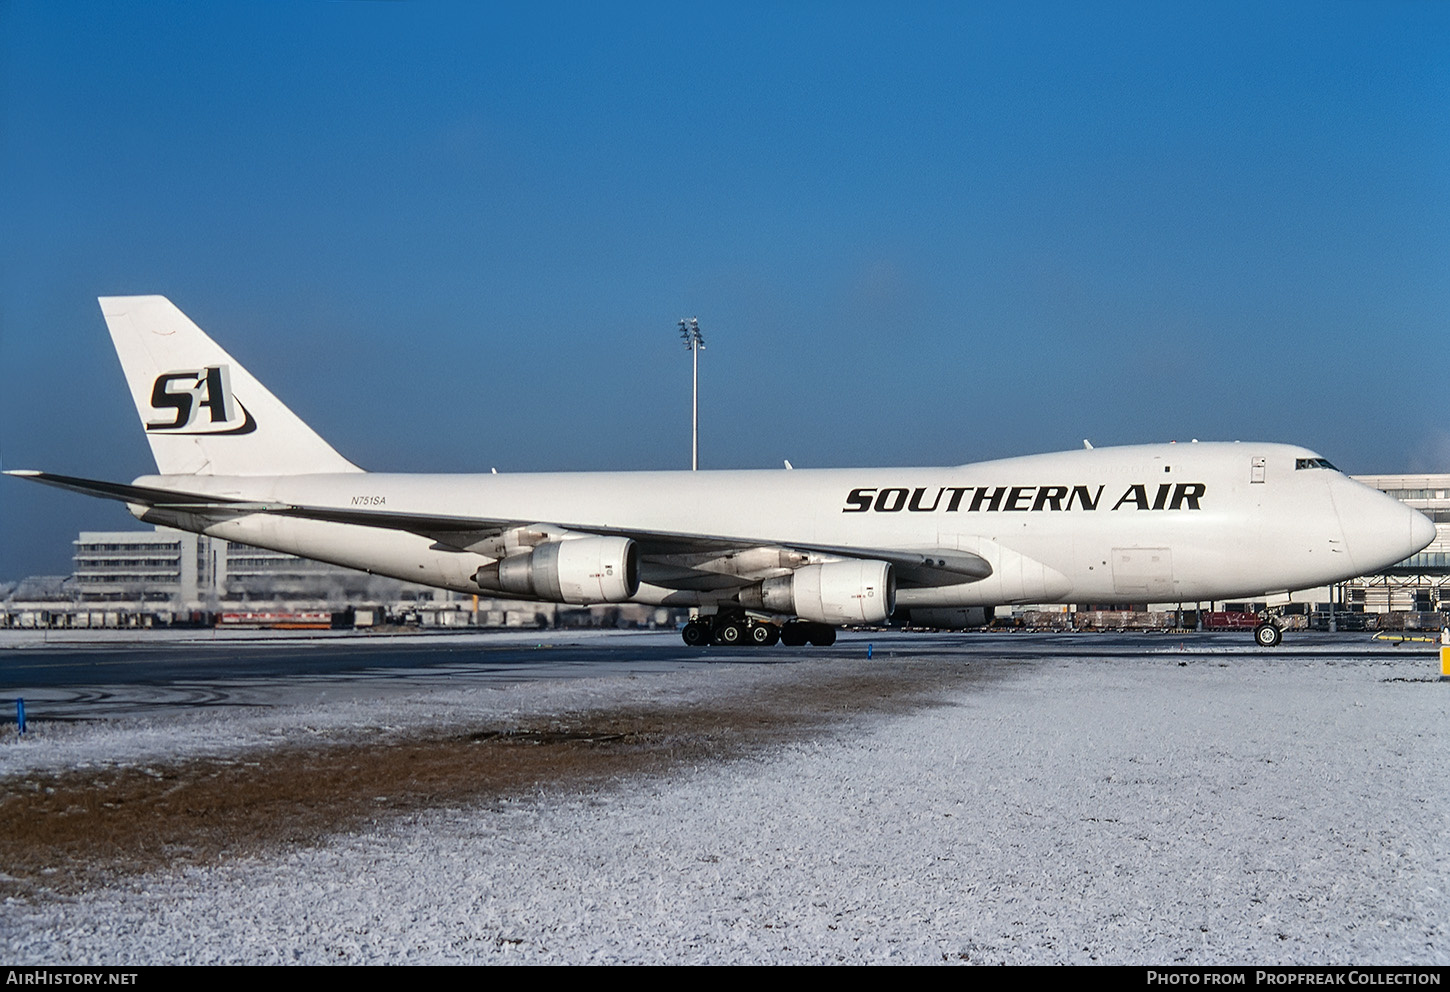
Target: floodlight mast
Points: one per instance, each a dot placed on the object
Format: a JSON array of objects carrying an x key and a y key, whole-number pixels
[{"x": 695, "y": 341}]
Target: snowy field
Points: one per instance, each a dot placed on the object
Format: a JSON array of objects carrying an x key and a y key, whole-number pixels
[{"x": 1154, "y": 806}]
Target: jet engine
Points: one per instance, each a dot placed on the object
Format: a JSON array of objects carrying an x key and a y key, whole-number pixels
[
  {"x": 835, "y": 592},
  {"x": 579, "y": 570}
]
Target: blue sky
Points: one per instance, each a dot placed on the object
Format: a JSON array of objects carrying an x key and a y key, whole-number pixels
[{"x": 455, "y": 236}]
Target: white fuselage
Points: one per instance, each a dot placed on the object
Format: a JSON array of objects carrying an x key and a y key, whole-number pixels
[{"x": 1150, "y": 523}]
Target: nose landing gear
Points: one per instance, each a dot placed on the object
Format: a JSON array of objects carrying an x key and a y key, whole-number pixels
[{"x": 1268, "y": 634}]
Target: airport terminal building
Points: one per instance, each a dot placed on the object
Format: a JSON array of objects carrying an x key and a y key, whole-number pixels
[{"x": 180, "y": 571}]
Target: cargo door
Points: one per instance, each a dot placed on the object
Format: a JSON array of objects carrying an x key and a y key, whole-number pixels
[{"x": 1143, "y": 575}]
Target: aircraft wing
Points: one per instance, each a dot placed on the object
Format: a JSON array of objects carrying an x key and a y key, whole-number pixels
[{"x": 668, "y": 554}]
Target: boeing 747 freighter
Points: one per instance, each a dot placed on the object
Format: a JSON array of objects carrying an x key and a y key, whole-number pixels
[{"x": 760, "y": 555}]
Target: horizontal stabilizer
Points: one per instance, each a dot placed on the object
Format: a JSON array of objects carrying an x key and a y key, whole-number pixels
[{"x": 138, "y": 495}]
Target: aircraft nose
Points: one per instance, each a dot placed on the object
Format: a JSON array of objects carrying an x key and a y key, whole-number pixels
[
  {"x": 1422, "y": 530},
  {"x": 1379, "y": 530}
]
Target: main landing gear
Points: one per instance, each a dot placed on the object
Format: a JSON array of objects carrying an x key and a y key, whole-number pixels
[{"x": 728, "y": 631}]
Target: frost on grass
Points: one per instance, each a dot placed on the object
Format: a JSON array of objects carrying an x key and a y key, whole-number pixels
[{"x": 1119, "y": 810}]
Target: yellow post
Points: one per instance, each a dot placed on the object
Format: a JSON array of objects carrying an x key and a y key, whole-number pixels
[{"x": 1444, "y": 663}]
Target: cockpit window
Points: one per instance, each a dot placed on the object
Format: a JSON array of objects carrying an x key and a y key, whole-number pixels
[{"x": 1313, "y": 463}]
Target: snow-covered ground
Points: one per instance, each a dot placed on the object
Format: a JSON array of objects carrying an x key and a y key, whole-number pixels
[{"x": 1150, "y": 807}]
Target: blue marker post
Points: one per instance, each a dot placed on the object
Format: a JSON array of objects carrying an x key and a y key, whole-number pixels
[
  {"x": 868, "y": 652},
  {"x": 20, "y": 715}
]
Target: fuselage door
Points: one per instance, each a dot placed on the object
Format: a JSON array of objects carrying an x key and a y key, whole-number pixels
[
  {"x": 1257, "y": 468},
  {"x": 1143, "y": 575}
]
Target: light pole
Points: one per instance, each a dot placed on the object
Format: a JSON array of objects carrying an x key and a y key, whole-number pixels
[{"x": 695, "y": 341}]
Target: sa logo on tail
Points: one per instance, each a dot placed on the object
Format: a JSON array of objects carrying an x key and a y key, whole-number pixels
[{"x": 185, "y": 394}]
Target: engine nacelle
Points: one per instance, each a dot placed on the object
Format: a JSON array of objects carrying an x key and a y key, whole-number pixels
[
  {"x": 836, "y": 592},
  {"x": 580, "y": 570}
]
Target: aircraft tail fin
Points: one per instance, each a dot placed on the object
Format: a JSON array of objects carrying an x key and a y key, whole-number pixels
[{"x": 202, "y": 412}]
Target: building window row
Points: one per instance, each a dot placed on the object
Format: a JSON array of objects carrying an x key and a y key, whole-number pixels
[
  {"x": 1415, "y": 493},
  {"x": 152, "y": 546},
  {"x": 125, "y": 577},
  {"x": 1425, "y": 561}
]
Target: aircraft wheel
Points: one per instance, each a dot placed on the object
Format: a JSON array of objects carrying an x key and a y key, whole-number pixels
[
  {"x": 822, "y": 635},
  {"x": 1268, "y": 635},
  {"x": 730, "y": 634},
  {"x": 763, "y": 634},
  {"x": 793, "y": 635},
  {"x": 696, "y": 634}
]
